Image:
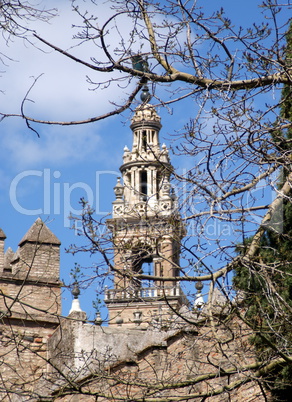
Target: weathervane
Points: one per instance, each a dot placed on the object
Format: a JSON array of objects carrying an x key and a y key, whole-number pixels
[{"x": 141, "y": 64}]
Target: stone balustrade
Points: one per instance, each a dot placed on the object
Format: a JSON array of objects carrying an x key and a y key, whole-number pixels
[{"x": 142, "y": 293}]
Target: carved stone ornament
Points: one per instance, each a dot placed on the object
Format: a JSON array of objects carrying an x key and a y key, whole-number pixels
[
  {"x": 118, "y": 209},
  {"x": 145, "y": 113},
  {"x": 119, "y": 189},
  {"x": 165, "y": 206}
]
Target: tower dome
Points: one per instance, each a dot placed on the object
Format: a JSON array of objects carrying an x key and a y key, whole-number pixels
[{"x": 145, "y": 113}]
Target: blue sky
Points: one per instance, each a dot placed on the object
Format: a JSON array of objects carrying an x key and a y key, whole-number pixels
[{"x": 46, "y": 176}]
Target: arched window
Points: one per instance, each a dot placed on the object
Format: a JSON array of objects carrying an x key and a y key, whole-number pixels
[{"x": 143, "y": 264}]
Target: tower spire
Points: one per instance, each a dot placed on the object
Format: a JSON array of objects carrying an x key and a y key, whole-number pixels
[
  {"x": 146, "y": 227},
  {"x": 146, "y": 169}
]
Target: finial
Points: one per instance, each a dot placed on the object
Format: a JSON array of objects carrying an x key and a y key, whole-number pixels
[
  {"x": 199, "y": 301},
  {"x": 119, "y": 189},
  {"x": 145, "y": 95},
  {"x": 141, "y": 64},
  {"x": 75, "y": 291},
  {"x": 98, "y": 319},
  {"x": 75, "y": 302}
]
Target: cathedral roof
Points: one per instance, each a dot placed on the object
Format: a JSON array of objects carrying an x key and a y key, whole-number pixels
[{"x": 39, "y": 233}]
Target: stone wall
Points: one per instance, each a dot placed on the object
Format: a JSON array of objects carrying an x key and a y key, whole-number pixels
[
  {"x": 30, "y": 306},
  {"x": 23, "y": 350},
  {"x": 34, "y": 298},
  {"x": 45, "y": 358},
  {"x": 178, "y": 363},
  {"x": 40, "y": 261}
]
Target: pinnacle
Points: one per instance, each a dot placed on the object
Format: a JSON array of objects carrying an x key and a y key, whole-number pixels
[
  {"x": 8, "y": 257},
  {"x": 39, "y": 233},
  {"x": 2, "y": 235}
]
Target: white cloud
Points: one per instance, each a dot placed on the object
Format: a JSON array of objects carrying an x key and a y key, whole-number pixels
[
  {"x": 23, "y": 149},
  {"x": 62, "y": 92}
]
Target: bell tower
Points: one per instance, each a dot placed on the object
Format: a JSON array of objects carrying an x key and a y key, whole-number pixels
[{"x": 146, "y": 229}]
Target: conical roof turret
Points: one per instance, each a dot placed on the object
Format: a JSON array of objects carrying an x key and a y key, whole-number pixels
[
  {"x": 39, "y": 233},
  {"x": 8, "y": 257},
  {"x": 2, "y": 235}
]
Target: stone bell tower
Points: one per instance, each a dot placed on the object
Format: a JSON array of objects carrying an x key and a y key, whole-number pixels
[{"x": 147, "y": 230}]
